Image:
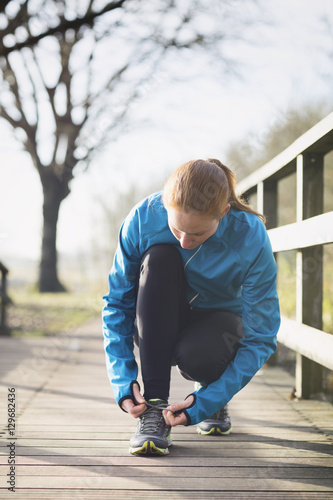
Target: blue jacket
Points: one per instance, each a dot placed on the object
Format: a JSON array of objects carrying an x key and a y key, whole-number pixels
[{"x": 234, "y": 270}]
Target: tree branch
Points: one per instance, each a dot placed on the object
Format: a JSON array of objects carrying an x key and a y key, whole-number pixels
[
  {"x": 30, "y": 143},
  {"x": 3, "y": 5},
  {"x": 4, "y": 114},
  {"x": 33, "y": 85},
  {"x": 62, "y": 27}
]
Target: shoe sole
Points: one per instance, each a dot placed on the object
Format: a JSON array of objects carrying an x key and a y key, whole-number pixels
[
  {"x": 214, "y": 431},
  {"x": 149, "y": 448}
]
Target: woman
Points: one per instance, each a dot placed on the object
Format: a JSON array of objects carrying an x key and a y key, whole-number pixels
[{"x": 194, "y": 282}]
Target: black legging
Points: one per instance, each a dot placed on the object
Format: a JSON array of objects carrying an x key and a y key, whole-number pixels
[{"x": 201, "y": 342}]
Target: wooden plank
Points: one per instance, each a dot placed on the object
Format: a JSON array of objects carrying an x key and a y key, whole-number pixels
[
  {"x": 250, "y": 433},
  {"x": 308, "y": 341},
  {"x": 255, "y": 472},
  {"x": 317, "y": 230},
  {"x": 234, "y": 439},
  {"x": 161, "y": 483},
  {"x": 66, "y": 494},
  {"x": 189, "y": 450},
  {"x": 169, "y": 461}
]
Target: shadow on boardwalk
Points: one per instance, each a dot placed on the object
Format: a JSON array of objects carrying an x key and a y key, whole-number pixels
[{"x": 72, "y": 439}]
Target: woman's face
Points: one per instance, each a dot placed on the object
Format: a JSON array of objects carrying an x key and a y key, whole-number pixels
[{"x": 190, "y": 228}]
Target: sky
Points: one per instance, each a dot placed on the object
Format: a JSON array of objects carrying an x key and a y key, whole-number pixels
[{"x": 175, "y": 121}]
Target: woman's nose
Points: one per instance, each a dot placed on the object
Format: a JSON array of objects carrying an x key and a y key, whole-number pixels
[{"x": 185, "y": 241}]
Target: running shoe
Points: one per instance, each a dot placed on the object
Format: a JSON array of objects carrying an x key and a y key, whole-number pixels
[
  {"x": 152, "y": 436},
  {"x": 218, "y": 424}
]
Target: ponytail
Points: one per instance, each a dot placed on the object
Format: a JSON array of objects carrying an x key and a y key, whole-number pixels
[{"x": 235, "y": 201}]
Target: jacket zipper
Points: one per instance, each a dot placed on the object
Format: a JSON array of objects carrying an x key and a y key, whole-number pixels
[
  {"x": 192, "y": 256},
  {"x": 197, "y": 295}
]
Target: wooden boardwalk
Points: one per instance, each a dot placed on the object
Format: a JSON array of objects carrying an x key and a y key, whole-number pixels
[{"x": 71, "y": 439}]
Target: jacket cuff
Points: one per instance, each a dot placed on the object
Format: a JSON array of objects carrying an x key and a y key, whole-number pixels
[
  {"x": 129, "y": 396},
  {"x": 188, "y": 418}
]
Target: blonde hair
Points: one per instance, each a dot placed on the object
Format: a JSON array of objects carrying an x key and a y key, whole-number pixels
[{"x": 205, "y": 186}]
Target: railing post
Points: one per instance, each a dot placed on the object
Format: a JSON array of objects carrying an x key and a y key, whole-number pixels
[
  {"x": 267, "y": 201},
  {"x": 267, "y": 205},
  {"x": 4, "y": 301},
  {"x": 270, "y": 203},
  {"x": 309, "y": 272},
  {"x": 260, "y": 197}
]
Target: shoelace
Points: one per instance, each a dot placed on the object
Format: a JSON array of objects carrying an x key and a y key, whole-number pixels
[
  {"x": 162, "y": 406},
  {"x": 159, "y": 406},
  {"x": 151, "y": 419}
]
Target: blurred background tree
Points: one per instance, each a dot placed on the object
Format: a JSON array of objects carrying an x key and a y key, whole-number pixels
[
  {"x": 71, "y": 70},
  {"x": 253, "y": 151}
]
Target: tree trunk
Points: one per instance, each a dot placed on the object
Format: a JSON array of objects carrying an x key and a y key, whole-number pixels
[{"x": 54, "y": 191}]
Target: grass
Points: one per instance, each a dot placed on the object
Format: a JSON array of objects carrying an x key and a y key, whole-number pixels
[{"x": 36, "y": 314}]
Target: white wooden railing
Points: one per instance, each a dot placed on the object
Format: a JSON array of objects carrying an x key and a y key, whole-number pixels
[{"x": 307, "y": 235}]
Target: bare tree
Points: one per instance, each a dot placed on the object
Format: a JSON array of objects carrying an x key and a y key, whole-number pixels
[{"x": 71, "y": 69}]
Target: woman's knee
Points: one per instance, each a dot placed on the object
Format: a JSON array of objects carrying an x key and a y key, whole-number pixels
[
  {"x": 208, "y": 345},
  {"x": 204, "y": 369},
  {"x": 205, "y": 374},
  {"x": 160, "y": 263},
  {"x": 162, "y": 254}
]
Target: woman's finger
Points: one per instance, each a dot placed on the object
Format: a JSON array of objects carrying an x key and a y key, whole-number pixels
[
  {"x": 182, "y": 405},
  {"x": 132, "y": 409},
  {"x": 173, "y": 419},
  {"x": 137, "y": 394},
  {"x": 137, "y": 410}
]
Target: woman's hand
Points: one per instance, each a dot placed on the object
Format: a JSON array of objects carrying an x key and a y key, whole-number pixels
[
  {"x": 172, "y": 418},
  {"x": 137, "y": 408}
]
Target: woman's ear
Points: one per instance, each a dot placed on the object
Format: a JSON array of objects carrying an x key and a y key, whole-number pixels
[{"x": 226, "y": 210}]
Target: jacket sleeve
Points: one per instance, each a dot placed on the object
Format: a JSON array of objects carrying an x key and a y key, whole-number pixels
[
  {"x": 119, "y": 310},
  {"x": 261, "y": 321}
]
